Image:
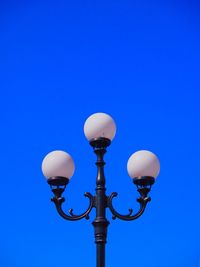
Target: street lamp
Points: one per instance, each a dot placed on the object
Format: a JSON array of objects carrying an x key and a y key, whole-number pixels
[{"x": 58, "y": 167}]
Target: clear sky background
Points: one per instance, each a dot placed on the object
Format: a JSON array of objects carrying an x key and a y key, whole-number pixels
[{"x": 61, "y": 61}]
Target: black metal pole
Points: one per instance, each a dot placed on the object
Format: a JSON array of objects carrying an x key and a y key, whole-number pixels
[
  {"x": 100, "y": 223},
  {"x": 100, "y": 252}
]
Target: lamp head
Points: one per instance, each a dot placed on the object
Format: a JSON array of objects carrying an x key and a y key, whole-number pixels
[
  {"x": 58, "y": 167},
  {"x": 143, "y": 163},
  {"x": 100, "y": 126}
]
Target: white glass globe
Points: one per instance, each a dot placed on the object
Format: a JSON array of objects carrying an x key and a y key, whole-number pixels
[
  {"x": 99, "y": 125},
  {"x": 143, "y": 163},
  {"x": 58, "y": 163}
]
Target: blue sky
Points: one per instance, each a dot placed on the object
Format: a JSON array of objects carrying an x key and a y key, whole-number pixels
[{"x": 62, "y": 61}]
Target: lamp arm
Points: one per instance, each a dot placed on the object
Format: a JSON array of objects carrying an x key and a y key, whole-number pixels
[
  {"x": 143, "y": 200},
  {"x": 58, "y": 203}
]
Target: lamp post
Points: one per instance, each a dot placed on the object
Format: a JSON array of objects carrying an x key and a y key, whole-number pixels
[{"x": 58, "y": 167}]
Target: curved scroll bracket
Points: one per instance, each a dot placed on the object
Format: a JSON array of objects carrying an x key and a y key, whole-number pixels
[
  {"x": 143, "y": 200},
  {"x": 58, "y": 201}
]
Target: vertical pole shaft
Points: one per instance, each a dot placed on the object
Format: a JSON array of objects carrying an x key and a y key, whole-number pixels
[
  {"x": 100, "y": 255},
  {"x": 100, "y": 223}
]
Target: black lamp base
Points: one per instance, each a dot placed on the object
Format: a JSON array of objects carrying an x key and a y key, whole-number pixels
[
  {"x": 99, "y": 143},
  {"x": 58, "y": 181},
  {"x": 144, "y": 181}
]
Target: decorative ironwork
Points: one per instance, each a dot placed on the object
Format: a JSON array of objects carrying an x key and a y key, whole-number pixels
[
  {"x": 58, "y": 201},
  {"x": 100, "y": 201}
]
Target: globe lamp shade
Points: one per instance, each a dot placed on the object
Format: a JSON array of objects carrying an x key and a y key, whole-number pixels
[
  {"x": 143, "y": 163},
  {"x": 99, "y": 125},
  {"x": 58, "y": 164}
]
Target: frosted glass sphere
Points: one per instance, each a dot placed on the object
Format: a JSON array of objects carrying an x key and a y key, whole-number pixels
[
  {"x": 143, "y": 163},
  {"x": 99, "y": 125},
  {"x": 58, "y": 163}
]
